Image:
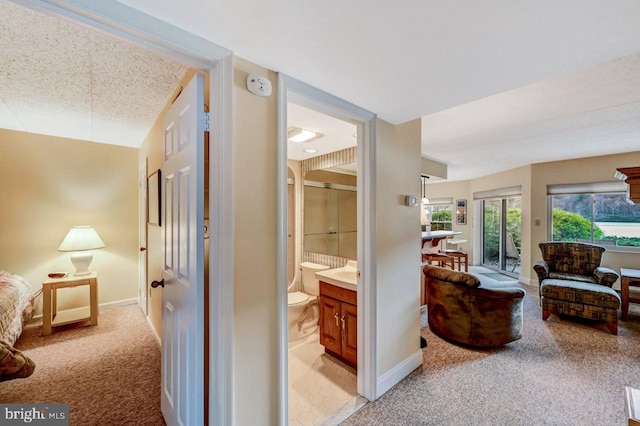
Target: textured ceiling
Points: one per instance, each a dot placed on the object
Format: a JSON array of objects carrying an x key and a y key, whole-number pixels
[{"x": 64, "y": 80}]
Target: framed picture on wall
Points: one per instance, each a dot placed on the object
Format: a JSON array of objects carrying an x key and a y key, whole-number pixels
[
  {"x": 153, "y": 198},
  {"x": 461, "y": 212}
]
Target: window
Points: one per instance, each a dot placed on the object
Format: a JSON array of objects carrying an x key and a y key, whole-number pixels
[
  {"x": 441, "y": 214},
  {"x": 439, "y": 211},
  {"x": 604, "y": 218}
]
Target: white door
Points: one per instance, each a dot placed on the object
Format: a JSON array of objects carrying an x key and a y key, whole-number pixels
[
  {"x": 183, "y": 267},
  {"x": 142, "y": 236}
]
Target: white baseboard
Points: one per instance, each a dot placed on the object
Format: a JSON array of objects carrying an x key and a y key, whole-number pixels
[
  {"x": 118, "y": 303},
  {"x": 102, "y": 306},
  {"x": 399, "y": 372},
  {"x": 155, "y": 333}
]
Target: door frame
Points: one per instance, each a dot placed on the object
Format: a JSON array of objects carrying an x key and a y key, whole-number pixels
[
  {"x": 132, "y": 25},
  {"x": 290, "y": 89},
  {"x": 143, "y": 292}
]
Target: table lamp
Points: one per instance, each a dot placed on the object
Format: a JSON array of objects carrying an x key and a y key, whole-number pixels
[{"x": 79, "y": 239}]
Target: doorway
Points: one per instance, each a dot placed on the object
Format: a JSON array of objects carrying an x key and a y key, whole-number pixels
[
  {"x": 291, "y": 90},
  {"x": 322, "y": 235},
  {"x": 501, "y": 233}
]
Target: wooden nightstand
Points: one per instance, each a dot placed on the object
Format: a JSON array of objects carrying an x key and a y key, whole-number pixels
[
  {"x": 628, "y": 278},
  {"x": 50, "y": 315}
]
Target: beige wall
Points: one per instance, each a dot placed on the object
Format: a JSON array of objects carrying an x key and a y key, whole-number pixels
[
  {"x": 255, "y": 283},
  {"x": 398, "y": 243},
  {"x": 151, "y": 152},
  {"x": 50, "y": 184}
]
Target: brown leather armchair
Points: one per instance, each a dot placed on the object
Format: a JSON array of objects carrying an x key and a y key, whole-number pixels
[{"x": 464, "y": 311}]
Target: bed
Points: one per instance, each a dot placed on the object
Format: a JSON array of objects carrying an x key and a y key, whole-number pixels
[{"x": 16, "y": 308}]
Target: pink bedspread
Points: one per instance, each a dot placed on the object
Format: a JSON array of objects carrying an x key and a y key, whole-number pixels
[{"x": 16, "y": 306}]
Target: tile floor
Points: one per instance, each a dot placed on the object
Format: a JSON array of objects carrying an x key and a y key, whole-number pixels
[{"x": 319, "y": 385}]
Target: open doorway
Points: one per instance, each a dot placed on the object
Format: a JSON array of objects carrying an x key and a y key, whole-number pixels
[
  {"x": 291, "y": 92},
  {"x": 322, "y": 237}
]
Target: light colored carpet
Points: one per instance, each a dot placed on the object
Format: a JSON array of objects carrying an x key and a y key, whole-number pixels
[
  {"x": 108, "y": 374},
  {"x": 562, "y": 372}
]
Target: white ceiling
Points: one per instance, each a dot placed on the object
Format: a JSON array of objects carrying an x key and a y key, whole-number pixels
[
  {"x": 64, "y": 80},
  {"x": 337, "y": 134},
  {"x": 587, "y": 113},
  {"x": 499, "y": 84}
]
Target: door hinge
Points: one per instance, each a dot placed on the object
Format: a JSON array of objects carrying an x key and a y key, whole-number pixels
[{"x": 205, "y": 121}]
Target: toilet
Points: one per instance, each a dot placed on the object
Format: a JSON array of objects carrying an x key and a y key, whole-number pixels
[{"x": 303, "y": 311}]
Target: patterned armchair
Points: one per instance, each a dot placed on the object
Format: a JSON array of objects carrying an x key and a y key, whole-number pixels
[
  {"x": 575, "y": 262},
  {"x": 572, "y": 282}
]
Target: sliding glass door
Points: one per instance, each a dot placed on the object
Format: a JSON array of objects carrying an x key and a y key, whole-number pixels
[{"x": 501, "y": 230}]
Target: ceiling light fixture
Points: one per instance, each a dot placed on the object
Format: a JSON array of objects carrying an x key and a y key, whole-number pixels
[
  {"x": 310, "y": 150},
  {"x": 296, "y": 134}
]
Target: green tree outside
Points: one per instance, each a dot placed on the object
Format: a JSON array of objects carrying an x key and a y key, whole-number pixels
[{"x": 569, "y": 226}]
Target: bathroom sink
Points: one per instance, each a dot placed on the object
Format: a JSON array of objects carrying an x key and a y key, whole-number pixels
[{"x": 345, "y": 277}]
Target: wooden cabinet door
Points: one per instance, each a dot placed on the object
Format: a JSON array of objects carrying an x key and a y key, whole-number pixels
[
  {"x": 330, "y": 325},
  {"x": 349, "y": 319}
]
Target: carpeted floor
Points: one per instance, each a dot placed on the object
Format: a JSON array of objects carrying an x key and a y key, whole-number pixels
[
  {"x": 562, "y": 372},
  {"x": 109, "y": 374}
]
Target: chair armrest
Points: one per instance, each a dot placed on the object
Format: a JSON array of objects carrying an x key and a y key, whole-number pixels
[
  {"x": 542, "y": 269},
  {"x": 500, "y": 293},
  {"x": 605, "y": 276}
]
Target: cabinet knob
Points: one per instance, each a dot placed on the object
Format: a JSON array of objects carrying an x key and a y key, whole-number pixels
[
  {"x": 342, "y": 322},
  {"x": 336, "y": 316}
]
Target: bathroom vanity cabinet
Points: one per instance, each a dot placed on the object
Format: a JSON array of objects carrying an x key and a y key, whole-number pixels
[{"x": 339, "y": 322}]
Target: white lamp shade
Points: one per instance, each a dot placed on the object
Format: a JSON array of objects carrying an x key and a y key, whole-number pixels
[{"x": 81, "y": 238}]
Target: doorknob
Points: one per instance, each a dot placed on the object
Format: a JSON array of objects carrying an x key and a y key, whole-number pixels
[
  {"x": 155, "y": 284},
  {"x": 143, "y": 249}
]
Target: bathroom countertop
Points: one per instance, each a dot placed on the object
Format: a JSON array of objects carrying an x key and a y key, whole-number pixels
[{"x": 345, "y": 277}]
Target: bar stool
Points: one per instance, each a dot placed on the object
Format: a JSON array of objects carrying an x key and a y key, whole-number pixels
[
  {"x": 439, "y": 259},
  {"x": 459, "y": 258}
]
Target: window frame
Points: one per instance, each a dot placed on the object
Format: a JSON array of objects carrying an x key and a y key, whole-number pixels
[
  {"x": 441, "y": 202},
  {"x": 592, "y": 191}
]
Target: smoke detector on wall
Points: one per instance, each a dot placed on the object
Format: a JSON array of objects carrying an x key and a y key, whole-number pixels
[{"x": 259, "y": 85}]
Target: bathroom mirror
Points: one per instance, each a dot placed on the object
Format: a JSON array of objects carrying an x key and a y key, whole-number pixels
[{"x": 330, "y": 211}]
